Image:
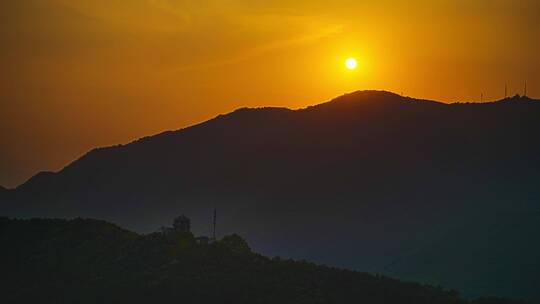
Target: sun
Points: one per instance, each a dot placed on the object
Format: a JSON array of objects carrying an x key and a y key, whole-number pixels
[{"x": 351, "y": 63}]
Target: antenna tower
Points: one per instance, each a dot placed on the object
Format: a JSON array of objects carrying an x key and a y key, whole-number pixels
[{"x": 214, "y": 225}]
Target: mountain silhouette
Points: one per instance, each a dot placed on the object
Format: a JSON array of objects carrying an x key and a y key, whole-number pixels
[
  {"x": 502, "y": 252},
  {"x": 366, "y": 181},
  {"x": 91, "y": 261}
]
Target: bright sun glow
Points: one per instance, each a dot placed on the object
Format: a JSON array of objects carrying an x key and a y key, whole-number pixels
[{"x": 351, "y": 63}]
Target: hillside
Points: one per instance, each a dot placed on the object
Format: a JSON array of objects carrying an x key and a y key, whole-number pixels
[
  {"x": 362, "y": 181},
  {"x": 89, "y": 261},
  {"x": 503, "y": 253}
]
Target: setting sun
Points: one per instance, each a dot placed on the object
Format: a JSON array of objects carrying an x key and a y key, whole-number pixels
[{"x": 351, "y": 63}]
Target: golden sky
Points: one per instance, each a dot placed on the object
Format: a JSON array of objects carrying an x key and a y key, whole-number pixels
[{"x": 76, "y": 74}]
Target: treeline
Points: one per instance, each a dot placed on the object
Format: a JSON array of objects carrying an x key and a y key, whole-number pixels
[{"x": 91, "y": 261}]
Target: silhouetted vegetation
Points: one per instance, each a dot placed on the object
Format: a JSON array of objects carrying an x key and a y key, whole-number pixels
[{"x": 91, "y": 261}]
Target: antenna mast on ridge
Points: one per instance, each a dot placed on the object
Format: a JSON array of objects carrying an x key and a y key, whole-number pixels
[
  {"x": 525, "y": 90},
  {"x": 505, "y": 90},
  {"x": 214, "y": 225}
]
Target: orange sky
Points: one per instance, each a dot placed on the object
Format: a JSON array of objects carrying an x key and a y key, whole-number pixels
[{"x": 77, "y": 74}]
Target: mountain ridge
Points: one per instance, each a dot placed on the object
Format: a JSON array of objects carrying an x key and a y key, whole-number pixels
[{"x": 365, "y": 95}]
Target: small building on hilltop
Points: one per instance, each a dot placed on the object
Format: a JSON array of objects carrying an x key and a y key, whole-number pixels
[
  {"x": 203, "y": 240},
  {"x": 182, "y": 224}
]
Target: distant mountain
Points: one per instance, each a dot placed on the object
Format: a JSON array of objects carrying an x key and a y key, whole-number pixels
[
  {"x": 89, "y": 261},
  {"x": 363, "y": 181},
  {"x": 502, "y": 254}
]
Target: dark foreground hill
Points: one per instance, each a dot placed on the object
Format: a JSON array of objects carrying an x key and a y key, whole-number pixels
[
  {"x": 89, "y": 261},
  {"x": 369, "y": 181}
]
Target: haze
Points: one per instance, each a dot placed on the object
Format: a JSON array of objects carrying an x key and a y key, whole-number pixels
[{"x": 77, "y": 74}]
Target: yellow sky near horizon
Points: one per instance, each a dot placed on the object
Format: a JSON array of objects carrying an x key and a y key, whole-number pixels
[{"x": 77, "y": 74}]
